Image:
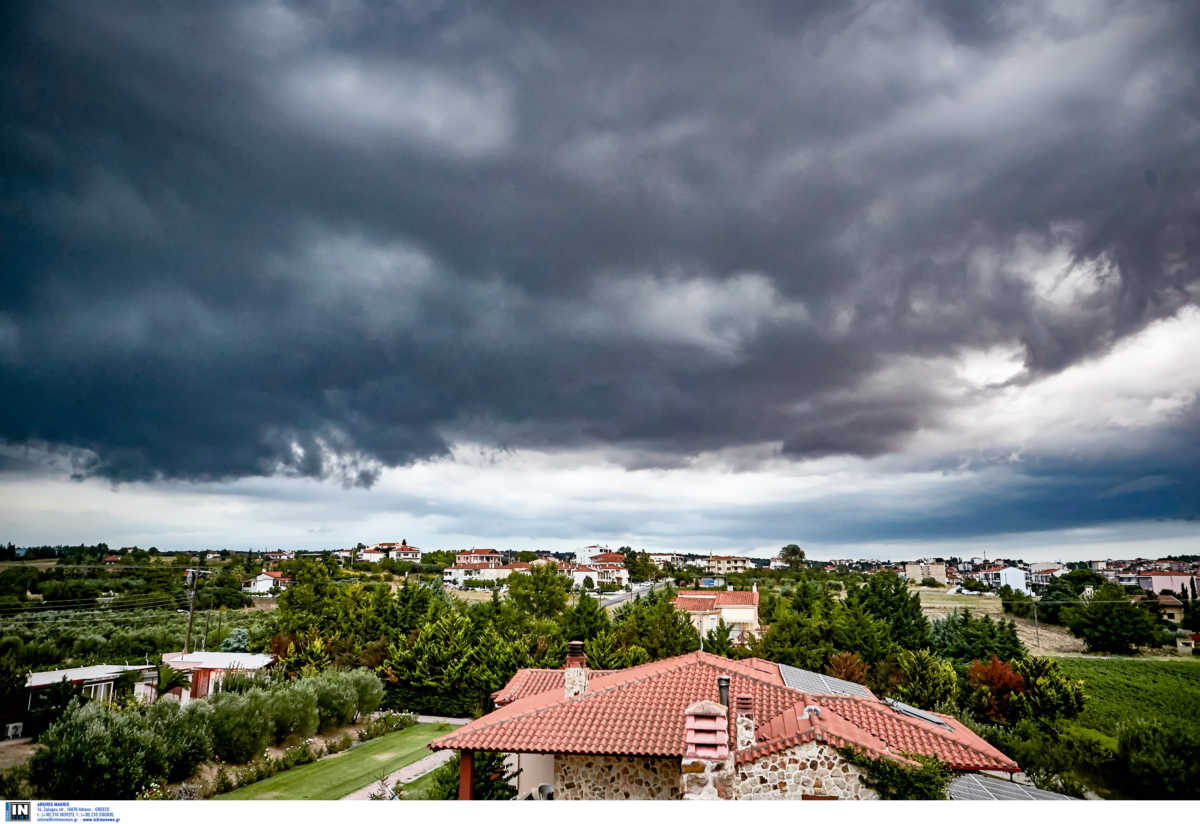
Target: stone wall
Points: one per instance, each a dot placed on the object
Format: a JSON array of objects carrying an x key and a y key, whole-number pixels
[
  {"x": 810, "y": 769},
  {"x": 611, "y": 777}
]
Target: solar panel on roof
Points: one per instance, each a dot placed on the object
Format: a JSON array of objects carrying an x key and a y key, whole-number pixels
[
  {"x": 905, "y": 709},
  {"x": 975, "y": 787},
  {"x": 818, "y": 684}
]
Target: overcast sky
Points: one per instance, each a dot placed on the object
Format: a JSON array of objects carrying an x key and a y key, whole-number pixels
[{"x": 880, "y": 280}]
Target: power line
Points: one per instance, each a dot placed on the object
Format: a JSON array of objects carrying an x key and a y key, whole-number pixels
[{"x": 92, "y": 606}]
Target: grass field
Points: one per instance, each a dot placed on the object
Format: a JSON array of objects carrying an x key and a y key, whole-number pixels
[
  {"x": 415, "y": 790},
  {"x": 1119, "y": 689},
  {"x": 339, "y": 775}
]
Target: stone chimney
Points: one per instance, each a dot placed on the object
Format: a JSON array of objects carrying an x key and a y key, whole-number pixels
[
  {"x": 744, "y": 721},
  {"x": 706, "y": 770},
  {"x": 575, "y": 673}
]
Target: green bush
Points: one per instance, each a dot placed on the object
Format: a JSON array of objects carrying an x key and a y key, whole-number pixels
[
  {"x": 293, "y": 711},
  {"x": 386, "y": 723},
  {"x": 368, "y": 690},
  {"x": 337, "y": 699},
  {"x": 241, "y": 725},
  {"x": 95, "y": 751},
  {"x": 185, "y": 734}
]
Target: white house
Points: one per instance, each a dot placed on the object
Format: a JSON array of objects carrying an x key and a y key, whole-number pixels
[
  {"x": 398, "y": 552},
  {"x": 264, "y": 582},
  {"x": 997, "y": 577}
]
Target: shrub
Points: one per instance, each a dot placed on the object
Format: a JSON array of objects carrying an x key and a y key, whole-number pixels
[
  {"x": 386, "y": 723},
  {"x": 368, "y": 690},
  {"x": 337, "y": 699},
  {"x": 993, "y": 686},
  {"x": 849, "y": 666},
  {"x": 185, "y": 734},
  {"x": 241, "y": 725},
  {"x": 95, "y": 751},
  {"x": 895, "y": 781},
  {"x": 928, "y": 680},
  {"x": 293, "y": 711}
]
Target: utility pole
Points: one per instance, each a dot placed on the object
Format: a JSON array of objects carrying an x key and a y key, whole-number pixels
[
  {"x": 207, "y": 616},
  {"x": 192, "y": 576},
  {"x": 1037, "y": 631}
]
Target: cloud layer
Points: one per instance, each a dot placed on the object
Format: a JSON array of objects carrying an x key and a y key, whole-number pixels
[{"x": 330, "y": 239}]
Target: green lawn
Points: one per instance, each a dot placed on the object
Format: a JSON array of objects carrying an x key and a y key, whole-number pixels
[
  {"x": 1117, "y": 689},
  {"x": 339, "y": 775},
  {"x": 415, "y": 790}
]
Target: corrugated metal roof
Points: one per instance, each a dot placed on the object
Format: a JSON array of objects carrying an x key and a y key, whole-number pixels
[
  {"x": 97, "y": 672},
  {"x": 815, "y": 682},
  {"x": 976, "y": 787}
]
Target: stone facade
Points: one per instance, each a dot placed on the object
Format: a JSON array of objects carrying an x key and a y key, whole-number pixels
[
  {"x": 703, "y": 779},
  {"x": 613, "y": 777},
  {"x": 811, "y": 769}
]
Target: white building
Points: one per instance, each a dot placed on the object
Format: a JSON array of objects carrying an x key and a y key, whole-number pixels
[
  {"x": 487, "y": 557},
  {"x": 264, "y": 582},
  {"x": 727, "y": 564},
  {"x": 398, "y": 552},
  {"x": 997, "y": 577},
  {"x": 98, "y": 682}
]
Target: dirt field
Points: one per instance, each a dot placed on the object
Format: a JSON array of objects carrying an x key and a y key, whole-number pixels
[{"x": 1042, "y": 639}]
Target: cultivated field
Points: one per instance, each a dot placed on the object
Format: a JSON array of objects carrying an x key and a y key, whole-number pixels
[{"x": 1122, "y": 689}]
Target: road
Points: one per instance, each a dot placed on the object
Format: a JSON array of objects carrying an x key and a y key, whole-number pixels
[{"x": 619, "y": 597}]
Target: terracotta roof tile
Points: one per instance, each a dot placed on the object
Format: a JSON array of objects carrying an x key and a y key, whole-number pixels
[
  {"x": 640, "y": 711},
  {"x": 529, "y": 682}
]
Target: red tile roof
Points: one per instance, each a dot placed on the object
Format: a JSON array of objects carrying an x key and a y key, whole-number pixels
[
  {"x": 635, "y": 711},
  {"x": 529, "y": 682},
  {"x": 699, "y": 600},
  {"x": 640, "y": 711}
]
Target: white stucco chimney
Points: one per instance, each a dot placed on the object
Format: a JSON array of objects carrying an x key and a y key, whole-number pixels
[{"x": 575, "y": 673}]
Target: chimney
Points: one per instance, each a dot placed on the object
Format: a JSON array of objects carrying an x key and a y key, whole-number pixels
[
  {"x": 744, "y": 721},
  {"x": 754, "y": 587},
  {"x": 575, "y": 672},
  {"x": 706, "y": 731},
  {"x": 729, "y": 587},
  {"x": 723, "y": 689}
]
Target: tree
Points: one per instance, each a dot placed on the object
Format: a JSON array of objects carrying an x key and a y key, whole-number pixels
[
  {"x": 993, "y": 686},
  {"x": 929, "y": 681},
  {"x": 491, "y": 779},
  {"x": 541, "y": 592},
  {"x": 793, "y": 556},
  {"x": 886, "y": 597},
  {"x": 1110, "y": 622},
  {"x": 716, "y": 640},
  {"x": 1047, "y": 694},
  {"x": 960, "y": 636},
  {"x": 639, "y": 566},
  {"x": 585, "y": 620},
  {"x": 588, "y": 583},
  {"x": 169, "y": 679},
  {"x": 848, "y": 666}
]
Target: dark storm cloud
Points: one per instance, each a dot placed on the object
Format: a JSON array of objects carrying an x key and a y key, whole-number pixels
[{"x": 318, "y": 239}]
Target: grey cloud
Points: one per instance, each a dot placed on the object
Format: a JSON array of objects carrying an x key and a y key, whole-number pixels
[{"x": 318, "y": 240}]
